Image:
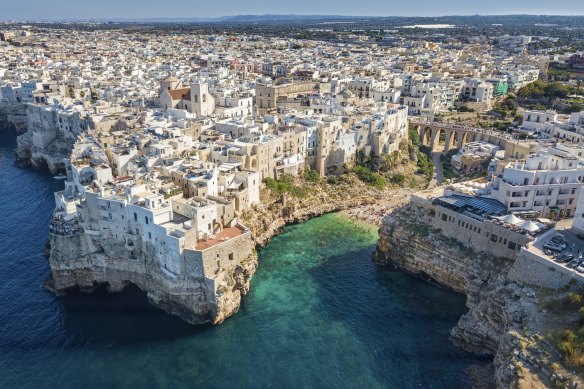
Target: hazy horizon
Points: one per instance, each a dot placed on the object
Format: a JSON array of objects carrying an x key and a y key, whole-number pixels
[{"x": 174, "y": 9}]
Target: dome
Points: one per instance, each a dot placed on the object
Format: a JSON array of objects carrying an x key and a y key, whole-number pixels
[{"x": 170, "y": 78}]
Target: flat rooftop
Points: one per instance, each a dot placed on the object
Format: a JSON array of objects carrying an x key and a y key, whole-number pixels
[{"x": 225, "y": 235}]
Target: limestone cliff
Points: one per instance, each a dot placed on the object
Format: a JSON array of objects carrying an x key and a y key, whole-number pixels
[
  {"x": 85, "y": 261},
  {"x": 275, "y": 212},
  {"x": 502, "y": 314},
  {"x": 49, "y": 137},
  {"x": 13, "y": 116}
]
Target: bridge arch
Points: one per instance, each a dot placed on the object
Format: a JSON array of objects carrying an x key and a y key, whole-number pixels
[
  {"x": 464, "y": 139},
  {"x": 426, "y": 136},
  {"x": 438, "y": 138}
]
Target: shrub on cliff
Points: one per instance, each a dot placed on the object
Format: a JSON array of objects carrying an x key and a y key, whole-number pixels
[
  {"x": 367, "y": 176},
  {"x": 570, "y": 342},
  {"x": 398, "y": 179},
  {"x": 311, "y": 176},
  {"x": 425, "y": 165},
  {"x": 285, "y": 184}
]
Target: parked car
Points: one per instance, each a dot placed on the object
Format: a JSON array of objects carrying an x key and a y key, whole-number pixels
[
  {"x": 574, "y": 263},
  {"x": 563, "y": 258},
  {"x": 553, "y": 246},
  {"x": 580, "y": 236},
  {"x": 560, "y": 241},
  {"x": 580, "y": 269}
]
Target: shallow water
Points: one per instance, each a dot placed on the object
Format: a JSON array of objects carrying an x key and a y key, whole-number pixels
[{"x": 319, "y": 314}]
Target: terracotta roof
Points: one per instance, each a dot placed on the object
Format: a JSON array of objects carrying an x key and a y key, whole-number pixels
[{"x": 178, "y": 94}]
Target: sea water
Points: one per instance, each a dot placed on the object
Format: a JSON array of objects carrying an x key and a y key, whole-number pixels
[{"x": 319, "y": 314}]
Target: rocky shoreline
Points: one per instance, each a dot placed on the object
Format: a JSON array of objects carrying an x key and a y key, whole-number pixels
[
  {"x": 504, "y": 317},
  {"x": 82, "y": 262}
]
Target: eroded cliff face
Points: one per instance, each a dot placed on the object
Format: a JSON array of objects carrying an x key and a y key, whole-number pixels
[
  {"x": 499, "y": 310},
  {"x": 48, "y": 136},
  {"x": 13, "y": 117},
  {"x": 81, "y": 260}
]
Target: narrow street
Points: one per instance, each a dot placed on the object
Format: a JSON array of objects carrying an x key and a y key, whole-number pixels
[{"x": 437, "y": 179}]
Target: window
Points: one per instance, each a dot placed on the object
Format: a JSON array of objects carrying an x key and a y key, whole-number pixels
[
  {"x": 444, "y": 217},
  {"x": 135, "y": 216},
  {"x": 149, "y": 235},
  {"x": 494, "y": 238},
  {"x": 146, "y": 219},
  {"x": 231, "y": 256},
  {"x": 511, "y": 245}
]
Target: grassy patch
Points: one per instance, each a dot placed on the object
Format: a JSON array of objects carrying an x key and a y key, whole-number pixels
[
  {"x": 570, "y": 342},
  {"x": 285, "y": 184},
  {"x": 370, "y": 178},
  {"x": 311, "y": 176}
]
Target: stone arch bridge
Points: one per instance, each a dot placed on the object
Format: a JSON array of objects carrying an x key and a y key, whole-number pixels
[{"x": 453, "y": 136}]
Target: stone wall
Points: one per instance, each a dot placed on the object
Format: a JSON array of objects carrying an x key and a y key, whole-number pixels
[
  {"x": 482, "y": 235},
  {"x": 529, "y": 269}
]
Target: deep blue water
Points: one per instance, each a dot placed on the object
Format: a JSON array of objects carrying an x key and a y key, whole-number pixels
[{"x": 319, "y": 315}]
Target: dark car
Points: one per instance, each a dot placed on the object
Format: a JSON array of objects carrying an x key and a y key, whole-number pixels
[{"x": 564, "y": 257}]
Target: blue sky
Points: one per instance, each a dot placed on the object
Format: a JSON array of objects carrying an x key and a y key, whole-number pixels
[{"x": 86, "y": 9}]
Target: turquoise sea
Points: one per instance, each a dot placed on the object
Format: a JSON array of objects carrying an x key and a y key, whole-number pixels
[{"x": 319, "y": 314}]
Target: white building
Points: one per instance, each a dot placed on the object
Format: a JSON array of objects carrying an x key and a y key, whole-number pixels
[{"x": 548, "y": 181}]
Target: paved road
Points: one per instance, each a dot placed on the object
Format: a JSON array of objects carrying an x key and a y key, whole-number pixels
[{"x": 437, "y": 179}]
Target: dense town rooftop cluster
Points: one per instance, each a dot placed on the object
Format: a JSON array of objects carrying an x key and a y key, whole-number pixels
[{"x": 178, "y": 130}]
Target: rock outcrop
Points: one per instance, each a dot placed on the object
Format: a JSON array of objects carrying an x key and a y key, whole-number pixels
[
  {"x": 50, "y": 134},
  {"x": 500, "y": 311},
  {"x": 85, "y": 261},
  {"x": 46, "y": 133},
  {"x": 13, "y": 117}
]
